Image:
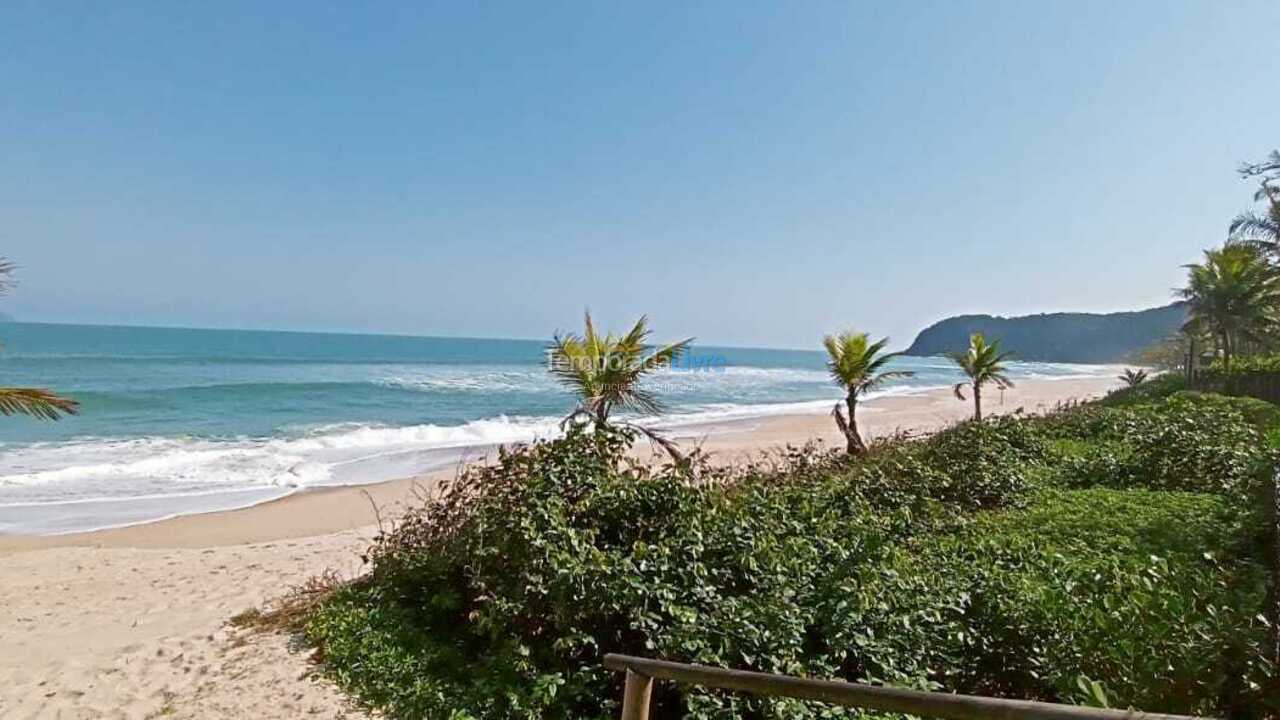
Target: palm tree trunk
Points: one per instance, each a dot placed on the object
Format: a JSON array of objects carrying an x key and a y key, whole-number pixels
[
  {"x": 977, "y": 402},
  {"x": 853, "y": 437},
  {"x": 849, "y": 427}
]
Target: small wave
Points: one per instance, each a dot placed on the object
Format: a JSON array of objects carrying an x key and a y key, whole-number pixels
[
  {"x": 534, "y": 380},
  {"x": 154, "y": 463},
  {"x": 106, "y": 467},
  {"x": 492, "y": 431}
]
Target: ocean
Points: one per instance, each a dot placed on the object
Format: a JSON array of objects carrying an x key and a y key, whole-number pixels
[{"x": 178, "y": 421}]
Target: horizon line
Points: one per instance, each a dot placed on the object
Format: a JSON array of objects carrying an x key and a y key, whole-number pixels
[{"x": 356, "y": 333}]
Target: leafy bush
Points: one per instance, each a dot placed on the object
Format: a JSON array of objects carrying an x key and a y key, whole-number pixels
[
  {"x": 1153, "y": 390},
  {"x": 1193, "y": 442},
  {"x": 970, "y": 466},
  {"x": 1252, "y": 376},
  {"x": 987, "y": 464},
  {"x": 1132, "y": 589},
  {"x": 1259, "y": 413},
  {"x": 499, "y": 598},
  {"x": 1250, "y": 364},
  {"x": 948, "y": 563}
]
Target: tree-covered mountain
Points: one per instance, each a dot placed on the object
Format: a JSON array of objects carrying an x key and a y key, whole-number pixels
[{"x": 1057, "y": 337}]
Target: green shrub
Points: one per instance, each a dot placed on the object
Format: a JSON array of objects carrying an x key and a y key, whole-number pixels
[
  {"x": 1249, "y": 364},
  {"x": 1135, "y": 590},
  {"x": 1153, "y": 390},
  {"x": 987, "y": 464},
  {"x": 499, "y": 599},
  {"x": 948, "y": 563},
  {"x": 968, "y": 466},
  {"x": 1194, "y": 442},
  {"x": 1092, "y": 422},
  {"x": 1261, "y": 414}
]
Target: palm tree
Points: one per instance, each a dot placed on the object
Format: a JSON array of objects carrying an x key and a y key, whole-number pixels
[
  {"x": 1133, "y": 378},
  {"x": 1261, "y": 231},
  {"x": 36, "y": 402},
  {"x": 1268, "y": 169},
  {"x": 855, "y": 364},
  {"x": 983, "y": 363},
  {"x": 605, "y": 371},
  {"x": 1232, "y": 296}
]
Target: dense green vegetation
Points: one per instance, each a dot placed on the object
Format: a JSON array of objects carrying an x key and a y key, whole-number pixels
[
  {"x": 1057, "y": 337},
  {"x": 1111, "y": 551},
  {"x": 1114, "y": 553}
]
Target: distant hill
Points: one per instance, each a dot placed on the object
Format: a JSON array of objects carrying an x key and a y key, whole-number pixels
[{"x": 1057, "y": 337}]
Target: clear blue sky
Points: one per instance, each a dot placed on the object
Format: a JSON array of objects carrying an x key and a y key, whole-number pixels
[{"x": 748, "y": 173}]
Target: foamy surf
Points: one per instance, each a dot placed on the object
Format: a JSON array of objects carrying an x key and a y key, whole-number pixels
[
  {"x": 96, "y": 483},
  {"x": 93, "y": 484},
  {"x": 178, "y": 422}
]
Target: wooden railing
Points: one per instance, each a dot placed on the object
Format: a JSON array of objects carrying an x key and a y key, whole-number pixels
[{"x": 641, "y": 672}]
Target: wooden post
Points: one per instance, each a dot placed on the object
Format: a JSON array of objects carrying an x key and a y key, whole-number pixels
[
  {"x": 635, "y": 699},
  {"x": 1273, "y": 592}
]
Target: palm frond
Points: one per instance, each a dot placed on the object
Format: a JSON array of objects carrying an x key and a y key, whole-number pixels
[
  {"x": 35, "y": 402},
  {"x": 1251, "y": 226},
  {"x": 666, "y": 355},
  {"x": 857, "y": 364},
  {"x": 1132, "y": 377},
  {"x": 884, "y": 377},
  {"x": 7, "y": 269},
  {"x": 983, "y": 362},
  {"x": 606, "y": 371}
]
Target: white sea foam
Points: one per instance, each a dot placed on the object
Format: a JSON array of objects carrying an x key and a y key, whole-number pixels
[
  {"x": 89, "y": 482},
  {"x": 472, "y": 380}
]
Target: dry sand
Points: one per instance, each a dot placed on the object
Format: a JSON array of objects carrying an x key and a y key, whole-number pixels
[{"x": 132, "y": 622}]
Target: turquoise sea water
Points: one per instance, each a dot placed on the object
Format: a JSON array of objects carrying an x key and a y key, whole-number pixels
[{"x": 176, "y": 421}]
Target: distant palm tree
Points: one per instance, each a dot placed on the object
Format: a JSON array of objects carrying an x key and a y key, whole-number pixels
[
  {"x": 855, "y": 364},
  {"x": 43, "y": 404},
  {"x": 1233, "y": 296},
  {"x": 605, "y": 370},
  {"x": 984, "y": 364},
  {"x": 1133, "y": 378}
]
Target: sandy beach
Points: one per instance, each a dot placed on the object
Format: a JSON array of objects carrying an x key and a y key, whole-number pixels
[{"x": 133, "y": 622}]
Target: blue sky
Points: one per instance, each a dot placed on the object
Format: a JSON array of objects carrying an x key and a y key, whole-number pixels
[{"x": 749, "y": 173}]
